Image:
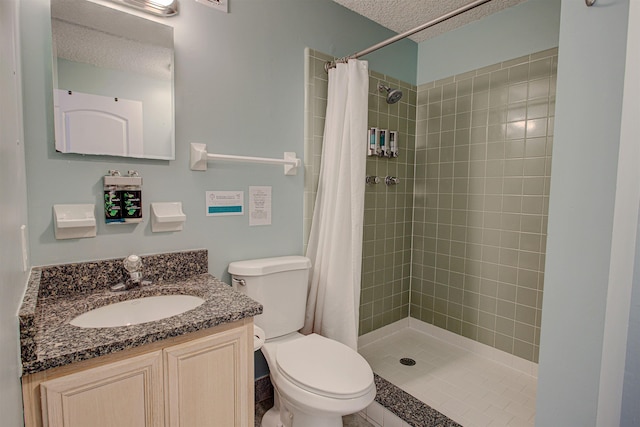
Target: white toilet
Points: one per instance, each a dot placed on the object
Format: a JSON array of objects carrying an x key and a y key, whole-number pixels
[{"x": 316, "y": 380}]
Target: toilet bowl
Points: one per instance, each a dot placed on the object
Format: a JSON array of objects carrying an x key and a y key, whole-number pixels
[{"x": 316, "y": 380}]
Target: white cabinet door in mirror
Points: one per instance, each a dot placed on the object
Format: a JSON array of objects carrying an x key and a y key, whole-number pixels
[{"x": 93, "y": 124}]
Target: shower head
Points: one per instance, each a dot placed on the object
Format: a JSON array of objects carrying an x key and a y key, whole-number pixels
[{"x": 393, "y": 95}]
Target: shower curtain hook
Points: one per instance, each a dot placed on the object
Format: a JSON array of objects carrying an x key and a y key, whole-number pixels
[
  {"x": 590, "y": 2},
  {"x": 332, "y": 64}
]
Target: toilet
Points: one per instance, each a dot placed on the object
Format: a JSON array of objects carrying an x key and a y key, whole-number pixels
[{"x": 316, "y": 380}]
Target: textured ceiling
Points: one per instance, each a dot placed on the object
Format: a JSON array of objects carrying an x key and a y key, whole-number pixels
[
  {"x": 403, "y": 15},
  {"x": 86, "y": 32}
]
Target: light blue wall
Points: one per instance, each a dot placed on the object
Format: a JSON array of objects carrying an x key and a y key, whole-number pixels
[
  {"x": 529, "y": 27},
  {"x": 239, "y": 88},
  {"x": 583, "y": 185},
  {"x": 13, "y": 210}
]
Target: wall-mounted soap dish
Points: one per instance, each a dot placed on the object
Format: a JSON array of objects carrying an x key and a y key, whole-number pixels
[
  {"x": 167, "y": 216},
  {"x": 74, "y": 221}
]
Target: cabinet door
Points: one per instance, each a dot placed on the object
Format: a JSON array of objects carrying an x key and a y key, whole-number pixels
[
  {"x": 207, "y": 381},
  {"x": 94, "y": 124},
  {"x": 128, "y": 393}
]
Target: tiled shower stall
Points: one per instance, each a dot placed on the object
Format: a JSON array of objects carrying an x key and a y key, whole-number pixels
[
  {"x": 483, "y": 167},
  {"x": 460, "y": 241}
]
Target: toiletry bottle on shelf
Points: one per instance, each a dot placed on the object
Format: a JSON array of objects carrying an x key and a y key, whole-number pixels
[
  {"x": 385, "y": 149},
  {"x": 112, "y": 198},
  {"x": 372, "y": 142},
  {"x": 132, "y": 198},
  {"x": 393, "y": 142}
]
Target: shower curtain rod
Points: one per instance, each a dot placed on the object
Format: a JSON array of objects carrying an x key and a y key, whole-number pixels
[{"x": 472, "y": 5}]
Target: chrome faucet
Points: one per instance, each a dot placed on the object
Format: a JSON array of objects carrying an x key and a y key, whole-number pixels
[{"x": 133, "y": 264}]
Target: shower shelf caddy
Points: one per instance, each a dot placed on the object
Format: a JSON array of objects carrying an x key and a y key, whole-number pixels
[{"x": 199, "y": 158}]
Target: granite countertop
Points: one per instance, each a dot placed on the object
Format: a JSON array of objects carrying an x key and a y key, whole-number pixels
[{"x": 48, "y": 340}]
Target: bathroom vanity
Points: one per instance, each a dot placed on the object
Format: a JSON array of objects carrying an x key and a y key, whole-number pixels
[{"x": 191, "y": 369}]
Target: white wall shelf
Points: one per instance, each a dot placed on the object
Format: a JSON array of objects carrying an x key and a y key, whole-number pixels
[
  {"x": 74, "y": 221},
  {"x": 167, "y": 216}
]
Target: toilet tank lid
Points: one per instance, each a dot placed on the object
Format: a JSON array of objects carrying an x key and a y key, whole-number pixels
[{"x": 262, "y": 266}]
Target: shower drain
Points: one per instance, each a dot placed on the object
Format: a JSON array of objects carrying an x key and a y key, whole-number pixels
[{"x": 407, "y": 361}]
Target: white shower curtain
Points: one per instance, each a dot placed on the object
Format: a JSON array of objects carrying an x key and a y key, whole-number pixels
[{"x": 335, "y": 242}]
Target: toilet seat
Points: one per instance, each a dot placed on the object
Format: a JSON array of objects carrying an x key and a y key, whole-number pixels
[{"x": 325, "y": 367}]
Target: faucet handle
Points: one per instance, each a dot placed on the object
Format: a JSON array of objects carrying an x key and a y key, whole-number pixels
[
  {"x": 372, "y": 179},
  {"x": 133, "y": 264},
  {"x": 392, "y": 180}
]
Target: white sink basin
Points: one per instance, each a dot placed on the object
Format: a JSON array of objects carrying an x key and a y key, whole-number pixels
[{"x": 137, "y": 311}]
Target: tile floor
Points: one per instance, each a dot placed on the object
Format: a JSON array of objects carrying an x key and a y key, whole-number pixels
[{"x": 470, "y": 389}]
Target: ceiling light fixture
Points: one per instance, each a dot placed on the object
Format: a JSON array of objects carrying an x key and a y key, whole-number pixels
[{"x": 155, "y": 7}]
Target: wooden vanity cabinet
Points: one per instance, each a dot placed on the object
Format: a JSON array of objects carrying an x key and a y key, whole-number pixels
[
  {"x": 206, "y": 381},
  {"x": 127, "y": 393},
  {"x": 197, "y": 380}
]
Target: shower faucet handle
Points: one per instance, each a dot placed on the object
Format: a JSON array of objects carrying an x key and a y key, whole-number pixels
[
  {"x": 392, "y": 180},
  {"x": 372, "y": 179}
]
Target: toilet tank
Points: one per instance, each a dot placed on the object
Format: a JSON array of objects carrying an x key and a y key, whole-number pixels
[{"x": 280, "y": 284}]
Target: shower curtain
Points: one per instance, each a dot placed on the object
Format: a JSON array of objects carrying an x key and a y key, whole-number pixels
[{"x": 335, "y": 242}]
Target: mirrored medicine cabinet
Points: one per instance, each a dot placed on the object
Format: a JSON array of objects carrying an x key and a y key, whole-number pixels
[{"x": 113, "y": 82}]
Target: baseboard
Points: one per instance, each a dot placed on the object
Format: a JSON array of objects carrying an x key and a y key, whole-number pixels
[{"x": 525, "y": 366}]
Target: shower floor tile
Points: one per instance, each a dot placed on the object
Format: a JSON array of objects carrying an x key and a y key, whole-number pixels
[{"x": 470, "y": 389}]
